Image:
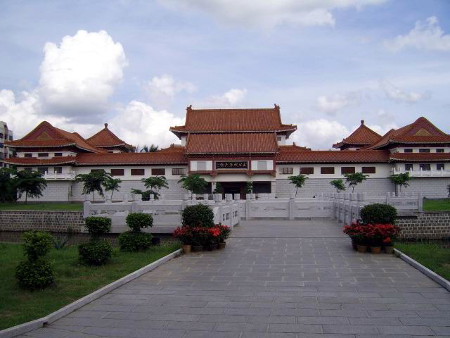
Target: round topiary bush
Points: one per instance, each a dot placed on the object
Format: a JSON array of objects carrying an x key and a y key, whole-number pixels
[
  {"x": 35, "y": 275},
  {"x": 378, "y": 214},
  {"x": 137, "y": 221},
  {"x": 135, "y": 241},
  {"x": 198, "y": 215},
  {"x": 95, "y": 252},
  {"x": 37, "y": 244},
  {"x": 98, "y": 225}
]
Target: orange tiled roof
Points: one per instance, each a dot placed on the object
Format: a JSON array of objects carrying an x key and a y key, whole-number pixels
[
  {"x": 362, "y": 136},
  {"x": 105, "y": 138},
  {"x": 232, "y": 143},
  {"x": 420, "y": 157},
  {"x": 45, "y": 135},
  {"x": 171, "y": 155},
  {"x": 420, "y": 131},
  {"x": 328, "y": 156},
  {"x": 233, "y": 120},
  {"x": 34, "y": 161}
]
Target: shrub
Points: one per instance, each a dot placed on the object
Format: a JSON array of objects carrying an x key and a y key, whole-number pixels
[
  {"x": 98, "y": 225},
  {"x": 378, "y": 214},
  {"x": 184, "y": 234},
  {"x": 97, "y": 252},
  {"x": 34, "y": 275},
  {"x": 136, "y": 221},
  {"x": 135, "y": 241},
  {"x": 37, "y": 244},
  {"x": 198, "y": 215}
]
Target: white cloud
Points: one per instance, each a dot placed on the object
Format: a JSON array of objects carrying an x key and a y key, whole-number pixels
[
  {"x": 428, "y": 35},
  {"x": 334, "y": 103},
  {"x": 319, "y": 134},
  {"x": 395, "y": 93},
  {"x": 140, "y": 124},
  {"x": 163, "y": 89},
  {"x": 264, "y": 13},
  {"x": 231, "y": 98},
  {"x": 80, "y": 75}
]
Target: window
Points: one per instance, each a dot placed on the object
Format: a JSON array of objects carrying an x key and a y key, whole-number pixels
[
  {"x": 409, "y": 167},
  {"x": 408, "y": 150},
  {"x": 440, "y": 166},
  {"x": 57, "y": 170},
  {"x": 369, "y": 170},
  {"x": 307, "y": 170},
  {"x": 42, "y": 154},
  {"x": 97, "y": 170},
  {"x": 137, "y": 172},
  {"x": 10, "y": 138},
  {"x": 1, "y": 135},
  {"x": 58, "y": 154},
  {"x": 42, "y": 170},
  {"x": 159, "y": 171},
  {"x": 440, "y": 150},
  {"x": 1, "y": 145},
  {"x": 425, "y": 166},
  {"x": 262, "y": 165},
  {"x": 327, "y": 170},
  {"x": 424, "y": 150},
  {"x": 286, "y": 171},
  {"x": 28, "y": 155},
  {"x": 117, "y": 172},
  {"x": 347, "y": 170},
  {"x": 178, "y": 171},
  {"x": 201, "y": 165}
]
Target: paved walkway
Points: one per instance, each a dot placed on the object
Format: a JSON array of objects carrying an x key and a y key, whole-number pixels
[{"x": 274, "y": 279}]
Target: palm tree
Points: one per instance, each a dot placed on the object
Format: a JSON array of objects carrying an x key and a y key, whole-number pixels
[
  {"x": 29, "y": 182},
  {"x": 92, "y": 182},
  {"x": 149, "y": 149},
  {"x": 154, "y": 184},
  {"x": 194, "y": 183},
  {"x": 112, "y": 184},
  {"x": 338, "y": 184},
  {"x": 354, "y": 179}
]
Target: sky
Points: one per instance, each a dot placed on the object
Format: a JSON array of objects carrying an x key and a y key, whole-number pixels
[{"x": 137, "y": 64}]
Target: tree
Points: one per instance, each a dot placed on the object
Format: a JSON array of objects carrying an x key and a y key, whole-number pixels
[
  {"x": 149, "y": 149},
  {"x": 29, "y": 182},
  {"x": 338, "y": 184},
  {"x": 354, "y": 179},
  {"x": 194, "y": 183},
  {"x": 298, "y": 181},
  {"x": 219, "y": 189},
  {"x": 92, "y": 182},
  {"x": 154, "y": 184},
  {"x": 249, "y": 187},
  {"x": 8, "y": 191},
  {"x": 401, "y": 180},
  {"x": 112, "y": 184}
]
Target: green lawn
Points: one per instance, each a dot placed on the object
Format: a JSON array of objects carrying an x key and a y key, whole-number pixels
[
  {"x": 73, "y": 280},
  {"x": 42, "y": 206},
  {"x": 442, "y": 204},
  {"x": 434, "y": 256}
]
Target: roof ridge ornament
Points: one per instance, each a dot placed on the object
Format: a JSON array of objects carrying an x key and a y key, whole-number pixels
[{"x": 106, "y": 125}]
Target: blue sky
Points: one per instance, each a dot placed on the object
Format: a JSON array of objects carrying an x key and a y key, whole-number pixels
[{"x": 138, "y": 64}]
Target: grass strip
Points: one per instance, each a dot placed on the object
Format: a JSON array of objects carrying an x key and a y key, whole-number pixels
[
  {"x": 442, "y": 204},
  {"x": 42, "y": 206},
  {"x": 434, "y": 256},
  {"x": 73, "y": 280}
]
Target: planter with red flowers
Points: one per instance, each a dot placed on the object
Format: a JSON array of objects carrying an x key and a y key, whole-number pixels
[{"x": 373, "y": 236}]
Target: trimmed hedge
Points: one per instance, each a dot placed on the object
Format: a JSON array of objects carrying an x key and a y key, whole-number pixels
[
  {"x": 137, "y": 221},
  {"x": 97, "y": 226},
  {"x": 35, "y": 275},
  {"x": 97, "y": 252},
  {"x": 135, "y": 241},
  {"x": 198, "y": 216},
  {"x": 378, "y": 213}
]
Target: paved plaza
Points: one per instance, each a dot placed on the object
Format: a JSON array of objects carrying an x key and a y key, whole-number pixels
[{"x": 274, "y": 279}]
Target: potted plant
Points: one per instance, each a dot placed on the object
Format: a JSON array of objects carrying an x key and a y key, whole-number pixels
[
  {"x": 224, "y": 234},
  {"x": 184, "y": 234}
]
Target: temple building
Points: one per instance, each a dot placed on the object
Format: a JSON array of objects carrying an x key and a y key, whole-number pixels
[
  {"x": 5, "y": 136},
  {"x": 234, "y": 147}
]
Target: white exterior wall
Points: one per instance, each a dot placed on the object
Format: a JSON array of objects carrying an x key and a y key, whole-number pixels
[
  {"x": 51, "y": 154},
  {"x": 127, "y": 171},
  {"x": 416, "y": 149}
]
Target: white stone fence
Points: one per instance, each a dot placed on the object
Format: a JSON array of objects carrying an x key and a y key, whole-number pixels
[
  {"x": 166, "y": 213},
  {"x": 347, "y": 207}
]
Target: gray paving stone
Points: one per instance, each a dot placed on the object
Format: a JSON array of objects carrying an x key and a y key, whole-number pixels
[{"x": 274, "y": 279}]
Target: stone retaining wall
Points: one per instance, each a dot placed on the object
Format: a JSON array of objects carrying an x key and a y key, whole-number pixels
[
  {"x": 427, "y": 225},
  {"x": 54, "y": 221}
]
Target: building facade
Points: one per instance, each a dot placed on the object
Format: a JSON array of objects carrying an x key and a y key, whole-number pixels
[
  {"x": 234, "y": 147},
  {"x": 6, "y": 135}
]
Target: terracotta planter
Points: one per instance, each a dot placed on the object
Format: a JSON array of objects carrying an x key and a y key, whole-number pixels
[
  {"x": 389, "y": 249},
  {"x": 361, "y": 248},
  {"x": 375, "y": 249},
  {"x": 197, "y": 248},
  {"x": 187, "y": 248},
  {"x": 222, "y": 245}
]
